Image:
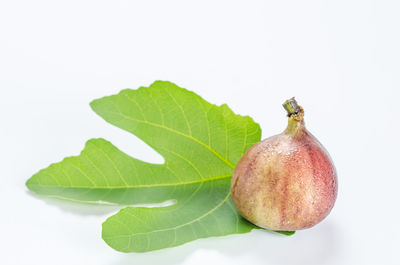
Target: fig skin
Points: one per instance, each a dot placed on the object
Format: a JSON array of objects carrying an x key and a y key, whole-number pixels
[{"x": 285, "y": 182}]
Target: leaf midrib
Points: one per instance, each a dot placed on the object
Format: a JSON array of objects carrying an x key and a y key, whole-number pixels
[
  {"x": 184, "y": 224},
  {"x": 141, "y": 185}
]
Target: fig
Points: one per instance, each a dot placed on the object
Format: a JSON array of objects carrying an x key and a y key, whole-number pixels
[{"x": 285, "y": 182}]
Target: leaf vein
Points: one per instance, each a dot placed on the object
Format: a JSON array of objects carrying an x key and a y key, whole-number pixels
[{"x": 212, "y": 150}]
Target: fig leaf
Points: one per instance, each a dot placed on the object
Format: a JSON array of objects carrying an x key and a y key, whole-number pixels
[{"x": 201, "y": 144}]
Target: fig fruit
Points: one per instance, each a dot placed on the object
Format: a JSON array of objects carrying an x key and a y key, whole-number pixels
[{"x": 287, "y": 181}]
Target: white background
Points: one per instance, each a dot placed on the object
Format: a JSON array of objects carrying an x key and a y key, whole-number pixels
[{"x": 341, "y": 59}]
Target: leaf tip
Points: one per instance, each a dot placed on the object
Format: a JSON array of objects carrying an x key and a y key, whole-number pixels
[
  {"x": 161, "y": 83},
  {"x": 29, "y": 182},
  {"x": 113, "y": 236},
  {"x": 94, "y": 103},
  {"x": 286, "y": 233}
]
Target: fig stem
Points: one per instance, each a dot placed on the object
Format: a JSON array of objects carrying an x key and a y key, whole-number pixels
[
  {"x": 295, "y": 114},
  {"x": 291, "y": 107}
]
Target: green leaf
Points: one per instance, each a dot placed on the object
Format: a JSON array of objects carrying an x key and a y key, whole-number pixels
[{"x": 201, "y": 144}]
